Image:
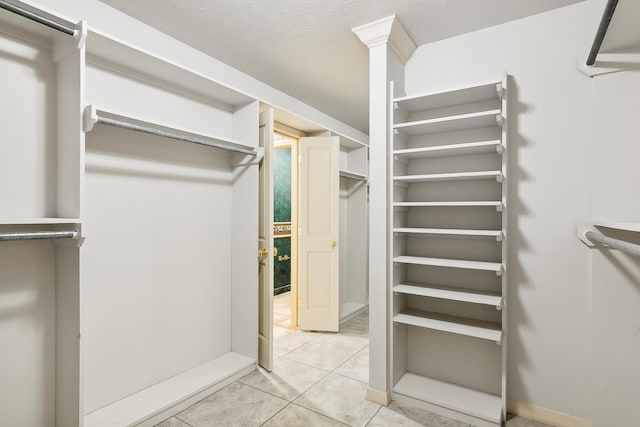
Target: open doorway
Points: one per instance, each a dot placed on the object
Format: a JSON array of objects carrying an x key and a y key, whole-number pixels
[{"x": 285, "y": 242}]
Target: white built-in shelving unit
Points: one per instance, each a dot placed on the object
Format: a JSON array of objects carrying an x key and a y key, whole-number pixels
[{"x": 448, "y": 255}]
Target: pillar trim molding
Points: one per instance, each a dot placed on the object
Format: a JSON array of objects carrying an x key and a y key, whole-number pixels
[{"x": 387, "y": 31}]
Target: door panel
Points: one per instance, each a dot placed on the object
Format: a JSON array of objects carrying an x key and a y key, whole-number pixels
[
  {"x": 319, "y": 228},
  {"x": 265, "y": 245}
]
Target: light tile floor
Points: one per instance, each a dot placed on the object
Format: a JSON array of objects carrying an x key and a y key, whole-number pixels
[{"x": 319, "y": 379}]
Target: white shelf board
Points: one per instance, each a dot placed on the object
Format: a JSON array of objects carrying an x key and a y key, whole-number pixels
[
  {"x": 451, "y": 263},
  {"x": 102, "y": 47},
  {"x": 441, "y": 99},
  {"x": 449, "y": 293},
  {"x": 451, "y": 396},
  {"x": 480, "y": 147},
  {"x": 452, "y": 324},
  {"x": 353, "y": 175},
  {"x": 450, "y": 231},
  {"x": 481, "y": 203},
  {"x": 93, "y": 114},
  {"x": 478, "y": 119},
  {"x": 455, "y": 176},
  {"x": 150, "y": 401},
  {"x": 38, "y": 221}
]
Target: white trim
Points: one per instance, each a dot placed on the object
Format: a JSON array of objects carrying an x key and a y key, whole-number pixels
[
  {"x": 544, "y": 415},
  {"x": 379, "y": 397},
  {"x": 389, "y": 31}
]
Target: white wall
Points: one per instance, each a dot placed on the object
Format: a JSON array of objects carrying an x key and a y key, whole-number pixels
[{"x": 551, "y": 143}]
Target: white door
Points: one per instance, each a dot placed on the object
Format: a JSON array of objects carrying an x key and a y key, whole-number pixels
[
  {"x": 265, "y": 245},
  {"x": 319, "y": 198}
]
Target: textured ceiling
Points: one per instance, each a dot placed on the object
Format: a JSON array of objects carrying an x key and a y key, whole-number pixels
[{"x": 306, "y": 48}]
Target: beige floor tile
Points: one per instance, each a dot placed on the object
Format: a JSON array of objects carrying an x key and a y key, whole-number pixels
[
  {"x": 288, "y": 380},
  {"x": 277, "y": 318},
  {"x": 173, "y": 422},
  {"x": 297, "y": 416},
  {"x": 357, "y": 367},
  {"x": 340, "y": 398},
  {"x": 290, "y": 342},
  {"x": 406, "y": 416},
  {"x": 279, "y": 332},
  {"x": 323, "y": 354},
  {"x": 348, "y": 339},
  {"x": 235, "y": 405},
  {"x": 515, "y": 421}
]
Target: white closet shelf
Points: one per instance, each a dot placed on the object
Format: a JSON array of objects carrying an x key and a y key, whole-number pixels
[
  {"x": 451, "y": 263},
  {"x": 449, "y": 293},
  {"x": 454, "y": 176},
  {"x": 480, "y": 147},
  {"x": 467, "y": 95},
  {"x": 481, "y": 203},
  {"x": 94, "y": 115},
  {"x": 353, "y": 175},
  {"x": 452, "y": 324},
  {"x": 194, "y": 383},
  {"x": 485, "y": 406},
  {"x": 38, "y": 221},
  {"x": 105, "y": 48},
  {"x": 450, "y": 231},
  {"x": 478, "y": 119}
]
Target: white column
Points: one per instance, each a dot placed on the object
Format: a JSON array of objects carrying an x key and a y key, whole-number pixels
[{"x": 389, "y": 48}]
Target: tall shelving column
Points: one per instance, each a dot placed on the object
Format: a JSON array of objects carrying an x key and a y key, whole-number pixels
[{"x": 448, "y": 251}]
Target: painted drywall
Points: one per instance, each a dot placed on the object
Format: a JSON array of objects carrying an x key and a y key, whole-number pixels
[
  {"x": 117, "y": 24},
  {"x": 550, "y": 145}
]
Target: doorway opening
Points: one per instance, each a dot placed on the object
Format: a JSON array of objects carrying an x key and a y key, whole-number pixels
[{"x": 285, "y": 208}]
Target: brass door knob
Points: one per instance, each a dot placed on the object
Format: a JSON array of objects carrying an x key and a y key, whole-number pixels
[
  {"x": 332, "y": 244},
  {"x": 263, "y": 253},
  {"x": 275, "y": 251}
]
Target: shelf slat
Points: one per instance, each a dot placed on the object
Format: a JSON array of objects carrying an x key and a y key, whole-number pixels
[
  {"x": 450, "y": 231},
  {"x": 451, "y": 263},
  {"x": 441, "y": 99},
  {"x": 451, "y": 396},
  {"x": 481, "y": 147},
  {"x": 353, "y": 175},
  {"x": 453, "y": 324},
  {"x": 481, "y": 203},
  {"x": 453, "y": 294},
  {"x": 478, "y": 119},
  {"x": 38, "y": 221},
  {"x": 455, "y": 176}
]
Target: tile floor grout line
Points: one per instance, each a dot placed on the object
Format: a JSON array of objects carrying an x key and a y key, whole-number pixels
[
  {"x": 374, "y": 415},
  {"x": 319, "y": 413},
  {"x": 179, "y": 419},
  {"x": 277, "y": 412},
  {"x": 267, "y": 392}
]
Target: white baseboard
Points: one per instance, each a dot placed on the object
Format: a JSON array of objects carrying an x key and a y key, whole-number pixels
[
  {"x": 543, "y": 415},
  {"x": 379, "y": 397}
]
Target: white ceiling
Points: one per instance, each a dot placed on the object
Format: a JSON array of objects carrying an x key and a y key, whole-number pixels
[{"x": 306, "y": 48}]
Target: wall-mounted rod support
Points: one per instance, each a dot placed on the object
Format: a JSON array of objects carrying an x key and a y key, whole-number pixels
[
  {"x": 626, "y": 247},
  {"x": 602, "y": 31},
  {"x": 38, "y": 235},
  {"x": 37, "y": 18}
]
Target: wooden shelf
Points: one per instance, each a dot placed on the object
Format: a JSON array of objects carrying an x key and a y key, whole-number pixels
[
  {"x": 452, "y": 324},
  {"x": 455, "y": 176},
  {"x": 38, "y": 221},
  {"x": 441, "y": 99},
  {"x": 478, "y": 119},
  {"x": 448, "y": 293},
  {"x": 478, "y": 404},
  {"x": 450, "y": 232},
  {"x": 480, "y": 147},
  {"x": 495, "y": 204},
  {"x": 179, "y": 390},
  {"x": 451, "y": 263}
]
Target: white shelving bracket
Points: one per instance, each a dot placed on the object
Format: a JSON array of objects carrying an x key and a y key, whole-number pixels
[
  {"x": 499, "y": 237},
  {"x": 500, "y": 90},
  {"x": 499, "y": 119},
  {"x": 499, "y": 149},
  {"x": 67, "y": 45},
  {"x": 90, "y": 118},
  {"x": 500, "y": 207},
  {"x": 499, "y": 178}
]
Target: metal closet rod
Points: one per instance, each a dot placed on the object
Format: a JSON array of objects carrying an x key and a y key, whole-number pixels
[
  {"x": 602, "y": 31},
  {"x": 158, "y": 132},
  {"x": 37, "y": 18},
  {"x": 624, "y": 246},
  {"x": 38, "y": 235}
]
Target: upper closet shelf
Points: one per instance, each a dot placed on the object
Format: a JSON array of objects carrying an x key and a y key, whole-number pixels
[
  {"x": 450, "y": 176},
  {"x": 474, "y": 120},
  {"x": 102, "y": 48},
  {"x": 451, "y": 263},
  {"x": 480, "y": 147},
  {"x": 94, "y": 115},
  {"x": 442, "y": 99},
  {"x": 354, "y": 176}
]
